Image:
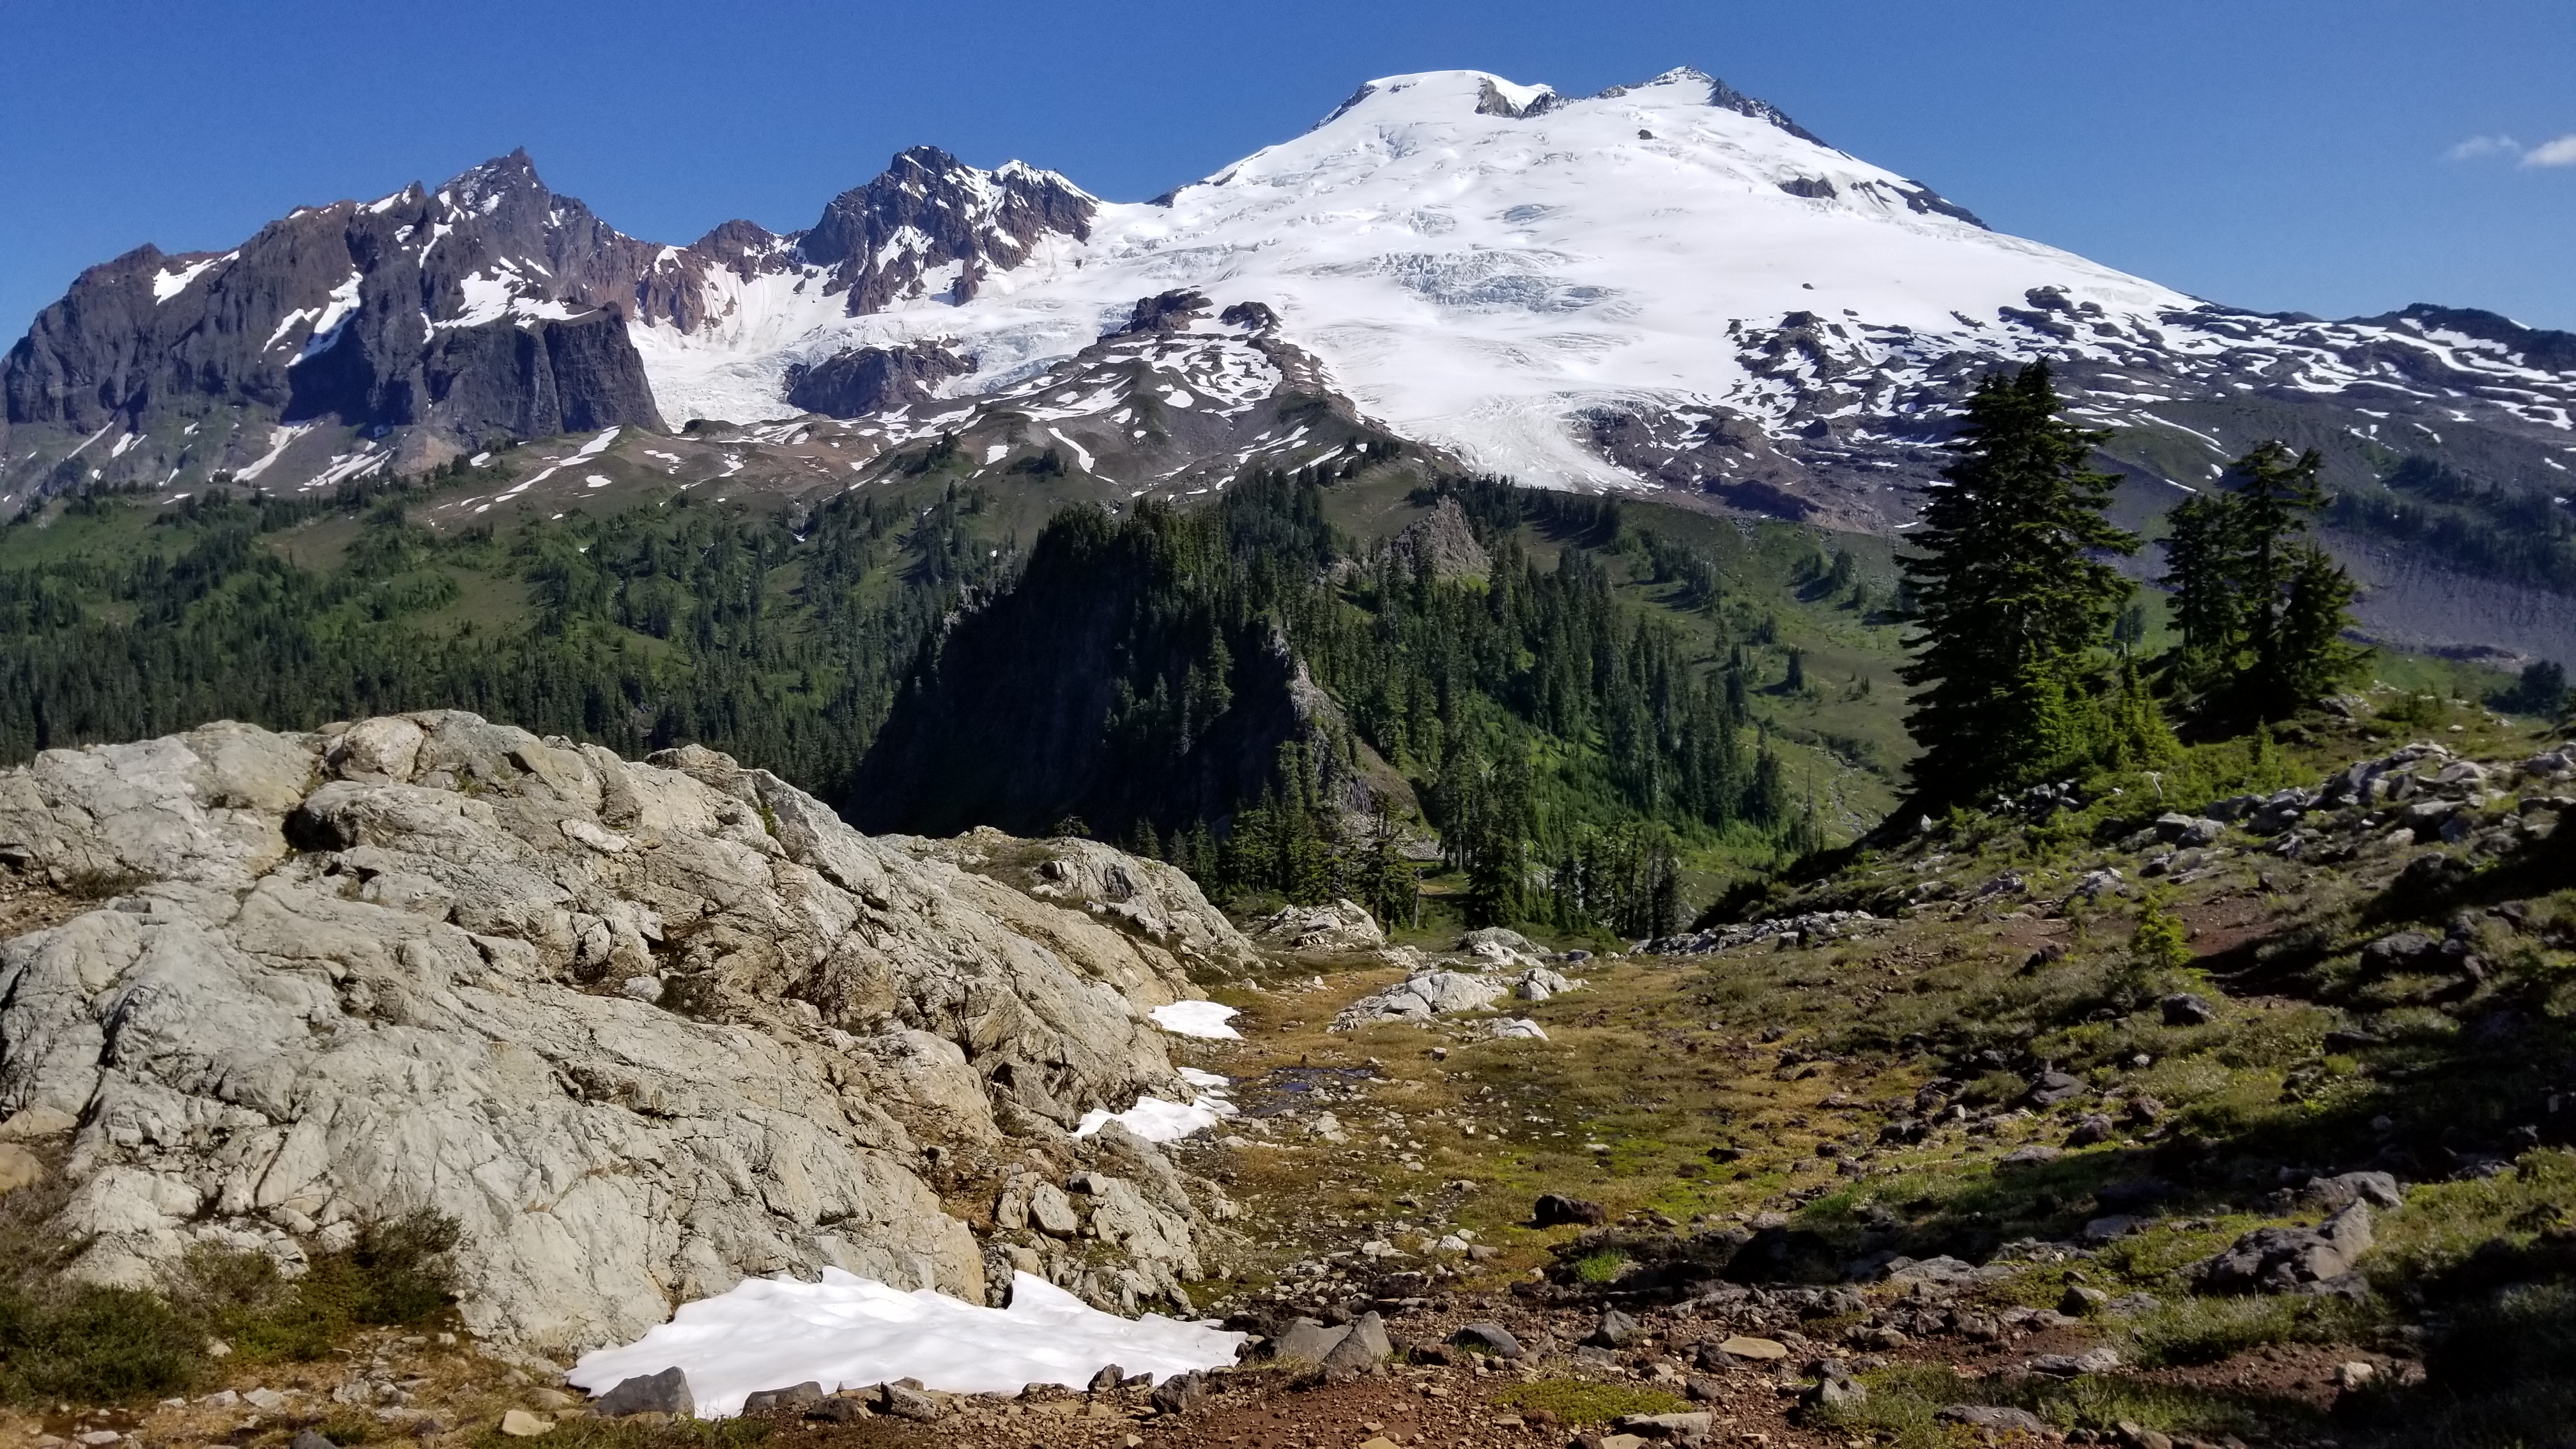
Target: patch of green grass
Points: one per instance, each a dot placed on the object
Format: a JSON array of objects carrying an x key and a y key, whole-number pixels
[
  {"x": 1601, "y": 1266},
  {"x": 1579, "y": 1401},
  {"x": 2206, "y": 1330}
]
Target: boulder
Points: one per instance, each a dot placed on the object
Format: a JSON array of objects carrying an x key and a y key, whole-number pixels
[
  {"x": 1340, "y": 925},
  {"x": 2343, "y": 1190},
  {"x": 383, "y": 970},
  {"x": 1555, "y": 1209},
  {"x": 1182, "y": 1393},
  {"x": 1499, "y": 947},
  {"x": 1363, "y": 1350},
  {"x": 1420, "y": 997},
  {"x": 1487, "y": 1338},
  {"x": 2292, "y": 1260},
  {"x": 795, "y": 1397},
  {"x": 664, "y": 1393},
  {"x": 2185, "y": 1009},
  {"x": 1615, "y": 1330},
  {"x": 1996, "y": 1418}
]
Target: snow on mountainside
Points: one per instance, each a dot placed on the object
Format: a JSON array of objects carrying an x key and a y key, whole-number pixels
[
  {"x": 1480, "y": 272},
  {"x": 1669, "y": 286}
]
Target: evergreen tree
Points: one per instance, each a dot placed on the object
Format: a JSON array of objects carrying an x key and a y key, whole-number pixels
[
  {"x": 2011, "y": 603},
  {"x": 2262, "y": 612}
]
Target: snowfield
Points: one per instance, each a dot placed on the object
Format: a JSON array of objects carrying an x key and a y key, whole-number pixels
[{"x": 1473, "y": 278}]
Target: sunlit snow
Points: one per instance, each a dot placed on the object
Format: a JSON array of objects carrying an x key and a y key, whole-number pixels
[{"x": 850, "y": 1332}]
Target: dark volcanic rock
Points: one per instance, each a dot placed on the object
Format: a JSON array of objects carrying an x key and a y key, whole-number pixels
[
  {"x": 866, "y": 380},
  {"x": 1555, "y": 1210},
  {"x": 930, "y": 210}
]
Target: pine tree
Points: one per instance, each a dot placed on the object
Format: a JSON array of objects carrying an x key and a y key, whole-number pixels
[
  {"x": 2011, "y": 604},
  {"x": 2261, "y": 612}
]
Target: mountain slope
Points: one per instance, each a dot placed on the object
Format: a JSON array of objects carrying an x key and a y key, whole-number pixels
[{"x": 1667, "y": 286}]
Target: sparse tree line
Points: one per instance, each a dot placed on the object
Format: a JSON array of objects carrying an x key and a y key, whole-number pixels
[{"x": 2022, "y": 657}]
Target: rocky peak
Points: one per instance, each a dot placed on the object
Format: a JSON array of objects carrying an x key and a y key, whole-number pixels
[{"x": 932, "y": 225}]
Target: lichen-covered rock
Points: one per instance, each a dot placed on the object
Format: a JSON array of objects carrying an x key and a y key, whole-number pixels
[
  {"x": 1423, "y": 996},
  {"x": 395, "y": 967},
  {"x": 1335, "y": 926}
]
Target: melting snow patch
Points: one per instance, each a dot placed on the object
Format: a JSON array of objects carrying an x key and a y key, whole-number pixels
[
  {"x": 1196, "y": 1018},
  {"x": 598, "y": 480},
  {"x": 1156, "y": 1120},
  {"x": 849, "y": 1332}
]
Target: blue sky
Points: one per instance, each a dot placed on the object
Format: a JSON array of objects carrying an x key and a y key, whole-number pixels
[{"x": 2339, "y": 158}]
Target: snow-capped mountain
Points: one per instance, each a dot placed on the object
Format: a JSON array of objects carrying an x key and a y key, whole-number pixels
[{"x": 1668, "y": 285}]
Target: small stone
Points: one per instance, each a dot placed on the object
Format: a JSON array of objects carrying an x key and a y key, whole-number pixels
[
  {"x": 310, "y": 1440},
  {"x": 1688, "y": 1428},
  {"x": 520, "y": 1424},
  {"x": 2081, "y": 1301},
  {"x": 1760, "y": 1350},
  {"x": 267, "y": 1401},
  {"x": 552, "y": 1400},
  {"x": 1490, "y": 1338},
  {"x": 2133, "y": 1435},
  {"x": 2357, "y": 1374}
]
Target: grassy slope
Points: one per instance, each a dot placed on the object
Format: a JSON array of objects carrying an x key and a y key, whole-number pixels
[{"x": 1789, "y": 1061}]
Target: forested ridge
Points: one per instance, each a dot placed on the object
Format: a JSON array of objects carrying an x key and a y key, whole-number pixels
[
  {"x": 779, "y": 643},
  {"x": 1559, "y": 739}
]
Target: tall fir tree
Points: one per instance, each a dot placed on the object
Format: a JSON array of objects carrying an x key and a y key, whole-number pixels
[
  {"x": 2012, "y": 603},
  {"x": 2261, "y": 611}
]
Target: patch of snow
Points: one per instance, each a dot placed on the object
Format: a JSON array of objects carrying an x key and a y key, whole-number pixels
[
  {"x": 1195, "y": 1018},
  {"x": 166, "y": 285},
  {"x": 280, "y": 438},
  {"x": 849, "y": 1332}
]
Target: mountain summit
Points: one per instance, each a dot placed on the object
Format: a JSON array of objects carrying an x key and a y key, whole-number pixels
[{"x": 1667, "y": 285}]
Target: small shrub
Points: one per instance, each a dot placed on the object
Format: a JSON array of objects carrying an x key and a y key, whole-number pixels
[{"x": 92, "y": 1344}]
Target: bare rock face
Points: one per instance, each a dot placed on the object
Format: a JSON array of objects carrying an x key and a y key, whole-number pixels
[
  {"x": 1443, "y": 543},
  {"x": 641, "y": 1029},
  {"x": 1143, "y": 898}
]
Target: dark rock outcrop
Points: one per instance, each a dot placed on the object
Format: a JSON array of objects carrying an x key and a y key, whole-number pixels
[{"x": 867, "y": 380}]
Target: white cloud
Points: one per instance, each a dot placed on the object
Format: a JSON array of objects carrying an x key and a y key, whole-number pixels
[
  {"x": 2478, "y": 146},
  {"x": 2561, "y": 152}
]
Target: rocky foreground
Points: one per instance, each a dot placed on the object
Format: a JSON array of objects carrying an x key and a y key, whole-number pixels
[
  {"x": 639, "y": 1029},
  {"x": 2245, "y": 1123}
]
